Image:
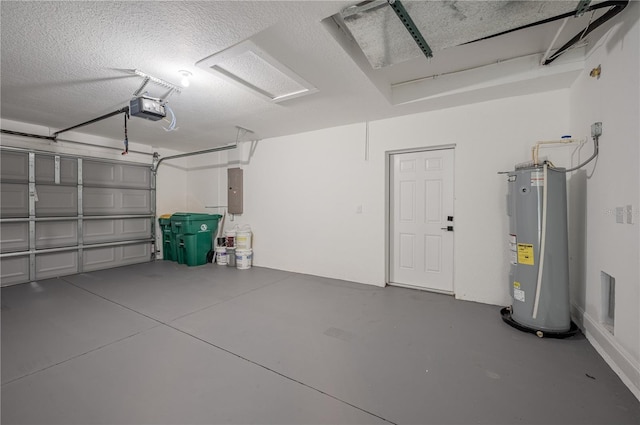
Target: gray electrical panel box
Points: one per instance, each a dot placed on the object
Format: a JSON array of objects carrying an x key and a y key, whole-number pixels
[{"x": 234, "y": 195}]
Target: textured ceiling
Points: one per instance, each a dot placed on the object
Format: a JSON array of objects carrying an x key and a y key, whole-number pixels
[{"x": 64, "y": 63}]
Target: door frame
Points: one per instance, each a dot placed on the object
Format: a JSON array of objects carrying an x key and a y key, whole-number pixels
[{"x": 388, "y": 156}]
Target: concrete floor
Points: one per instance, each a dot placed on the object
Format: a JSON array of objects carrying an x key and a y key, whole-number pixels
[{"x": 164, "y": 343}]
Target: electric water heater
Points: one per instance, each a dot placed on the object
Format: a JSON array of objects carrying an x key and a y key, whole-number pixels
[{"x": 539, "y": 271}]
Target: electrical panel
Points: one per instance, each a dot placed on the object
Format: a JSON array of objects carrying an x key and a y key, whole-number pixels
[
  {"x": 144, "y": 107},
  {"x": 234, "y": 195}
]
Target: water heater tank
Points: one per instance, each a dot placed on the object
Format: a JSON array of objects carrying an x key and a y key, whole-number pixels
[{"x": 539, "y": 271}]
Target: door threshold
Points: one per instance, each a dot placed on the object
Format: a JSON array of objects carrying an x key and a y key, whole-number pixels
[{"x": 421, "y": 288}]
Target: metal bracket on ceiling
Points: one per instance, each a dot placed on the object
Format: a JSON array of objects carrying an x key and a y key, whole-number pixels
[
  {"x": 583, "y": 6},
  {"x": 150, "y": 78},
  {"x": 142, "y": 86},
  {"x": 411, "y": 27},
  {"x": 241, "y": 133}
]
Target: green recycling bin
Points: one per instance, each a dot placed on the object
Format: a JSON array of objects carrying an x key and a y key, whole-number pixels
[
  {"x": 193, "y": 234},
  {"x": 168, "y": 239}
]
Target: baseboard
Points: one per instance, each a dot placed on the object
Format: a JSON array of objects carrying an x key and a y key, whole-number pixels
[
  {"x": 420, "y": 288},
  {"x": 609, "y": 349}
]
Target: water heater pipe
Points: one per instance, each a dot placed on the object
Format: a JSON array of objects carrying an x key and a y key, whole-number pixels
[
  {"x": 542, "y": 242},
  {"x": 536, "y": 148}
]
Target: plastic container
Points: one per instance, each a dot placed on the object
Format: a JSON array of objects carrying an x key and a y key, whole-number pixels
[
  {"x": 231, "y": 257},
  {"x": 193, "y": 234},
  {"x": 187, "y": 250},
  {"x": 169, "y": 252},
  {"x": 221, "y": 255},
  {"x": 244, "y": 258},
  {"x": 243, "y": 238},
  {"x": 192, "y": 223},
  {"x": 230, "y": 236}
]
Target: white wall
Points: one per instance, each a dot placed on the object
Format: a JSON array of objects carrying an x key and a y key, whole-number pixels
[
  {"x": 171, "y": 184},
  {"x": 302, "y": 191},
  {"x": 612, "y": 182},
  {"x": 206, "y": 181},
  {"x": 301, "y": 194}
]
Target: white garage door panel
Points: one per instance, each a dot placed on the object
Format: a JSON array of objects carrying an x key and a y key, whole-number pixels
[
  {"x": 14, "y": 270},
  {"x": 55, "y": 200},
  {"x": 138, "y": 177},
  {"x": 56, "y": 264},
  {"x": 14, "y": 237},
  {"x": 14, "y": 166},
  {"x": 71, "y": 206},
  {"x": 114, "y": 256},
  {"x": 106, "y": 174},
  {"x": 96, "y": 231},
  {"x": 132, "y": 254},
  {"x": 53, "y": 234},
  {"x": 112, "y": 201},
  {"x": 14, "y": 200},
  {"x": 46, "y": 171}
]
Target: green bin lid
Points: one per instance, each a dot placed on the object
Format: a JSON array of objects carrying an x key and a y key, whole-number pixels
[{"x": 194, "y": 216}]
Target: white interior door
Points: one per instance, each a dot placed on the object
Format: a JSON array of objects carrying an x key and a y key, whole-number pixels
[{"x": 421, "y": 220}]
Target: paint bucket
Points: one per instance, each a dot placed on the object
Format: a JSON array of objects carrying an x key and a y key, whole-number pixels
[
  {"x": 231, "y": 257},
  {"x": 221, "y": 255},
  {"x": 243, "y": 258},
  {"x": 243, "y": 238},
  {"x": 230, "y": 236}
]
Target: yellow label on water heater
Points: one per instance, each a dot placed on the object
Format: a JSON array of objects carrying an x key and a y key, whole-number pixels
[{"x": 525, "y": 254}]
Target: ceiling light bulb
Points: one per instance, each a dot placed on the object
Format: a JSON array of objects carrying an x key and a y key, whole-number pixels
[{"x": 185, "y": 78}]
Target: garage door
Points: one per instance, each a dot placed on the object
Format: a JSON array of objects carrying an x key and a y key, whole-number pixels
[{"x": 61, "y": 215}]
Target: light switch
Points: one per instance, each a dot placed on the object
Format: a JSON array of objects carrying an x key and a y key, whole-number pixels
[
  {"x": 620, "y": 215},
  {"x": 629, "y": 214}
]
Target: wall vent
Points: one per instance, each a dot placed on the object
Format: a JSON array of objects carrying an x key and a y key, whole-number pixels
[{"x": 608, "y": 301}]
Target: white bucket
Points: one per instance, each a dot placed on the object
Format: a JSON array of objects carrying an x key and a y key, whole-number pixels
[
  {"x": 243, "y": 258},
  {"x": 221, "y": 255},
  {"x": 243, "y": 239}
]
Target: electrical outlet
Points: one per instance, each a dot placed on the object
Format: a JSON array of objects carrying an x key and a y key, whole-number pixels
[
  {"x": 596, "y": 129},
  {"x": 629, "y": 214}
]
